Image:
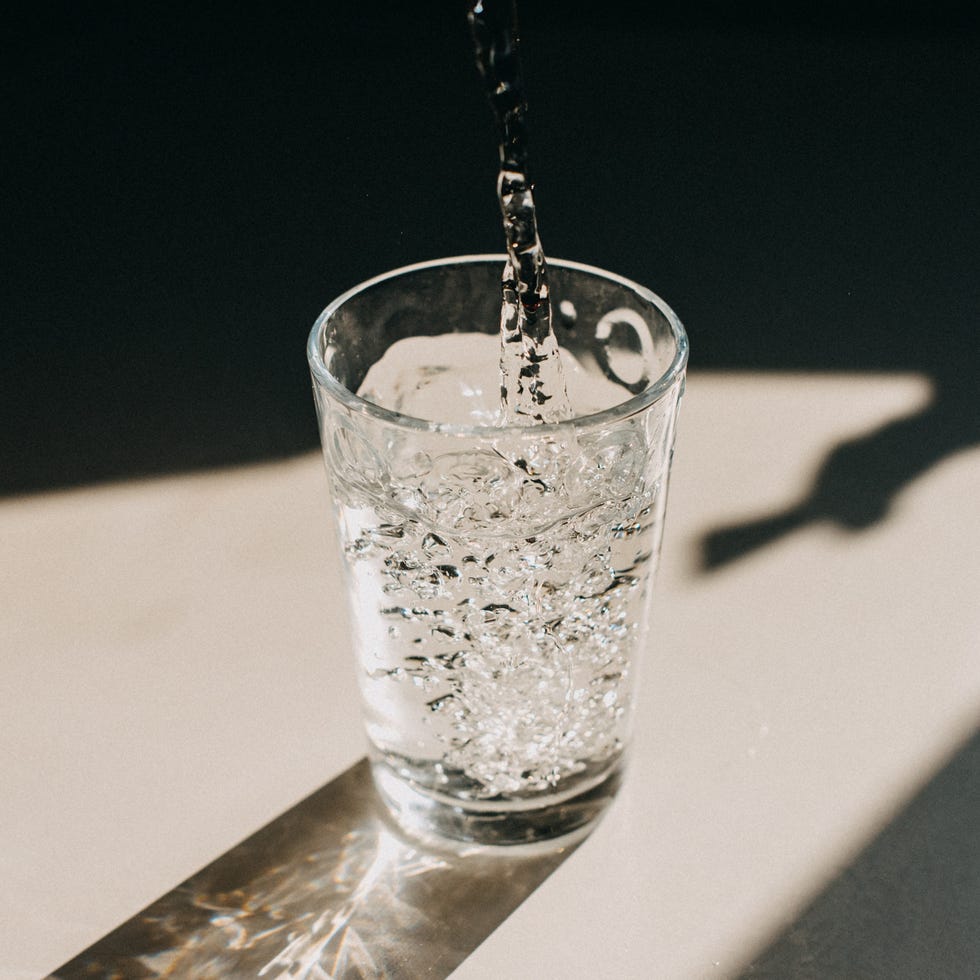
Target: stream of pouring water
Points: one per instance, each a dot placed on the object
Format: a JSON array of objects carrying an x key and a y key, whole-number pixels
[
  {"x": 500, "y": 579},
  {"x": 532, "y": 383}
]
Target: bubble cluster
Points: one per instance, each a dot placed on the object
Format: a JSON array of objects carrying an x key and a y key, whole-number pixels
[{"x": 499, "y": 595}]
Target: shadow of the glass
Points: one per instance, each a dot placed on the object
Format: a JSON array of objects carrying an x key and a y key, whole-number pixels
[
  {"x": 908, "y": 907},
  {"x": 330, "y": 888}
]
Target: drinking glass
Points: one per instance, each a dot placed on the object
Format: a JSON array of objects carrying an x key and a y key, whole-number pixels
[{"x": 498, "y": 574}]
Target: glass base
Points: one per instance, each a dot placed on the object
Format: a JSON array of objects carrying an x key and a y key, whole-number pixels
[{"x": 557, "y": 819}]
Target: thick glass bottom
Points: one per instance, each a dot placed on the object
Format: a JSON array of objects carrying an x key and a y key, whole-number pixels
[{"x": 555, "y": 819}]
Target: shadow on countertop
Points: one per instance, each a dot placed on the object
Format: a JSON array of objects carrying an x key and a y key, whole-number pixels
[
  {"x": 908, "y": 906},
  {"x": 330, "y": 885},
  {"x": 860, "y": 478}
]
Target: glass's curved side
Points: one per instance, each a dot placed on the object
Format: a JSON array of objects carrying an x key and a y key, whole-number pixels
[{"x": 499, "y": 576}]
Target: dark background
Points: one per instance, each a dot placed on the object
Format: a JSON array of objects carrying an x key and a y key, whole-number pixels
[{"x": 184, "y": 188}]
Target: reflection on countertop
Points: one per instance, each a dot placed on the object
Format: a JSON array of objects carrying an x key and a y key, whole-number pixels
[{"x": 329, "y": 889}]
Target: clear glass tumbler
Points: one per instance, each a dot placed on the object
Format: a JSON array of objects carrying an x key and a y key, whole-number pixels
[{"x": 498, "y": 575}]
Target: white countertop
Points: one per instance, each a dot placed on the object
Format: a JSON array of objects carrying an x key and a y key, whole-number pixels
[{"x": 174, "y": 676}]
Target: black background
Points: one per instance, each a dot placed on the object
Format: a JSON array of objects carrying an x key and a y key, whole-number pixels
[{"x": 186, "y": 186}]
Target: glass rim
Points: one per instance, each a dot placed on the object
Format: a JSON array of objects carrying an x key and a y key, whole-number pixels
[{"x": 632, "y": 406}]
